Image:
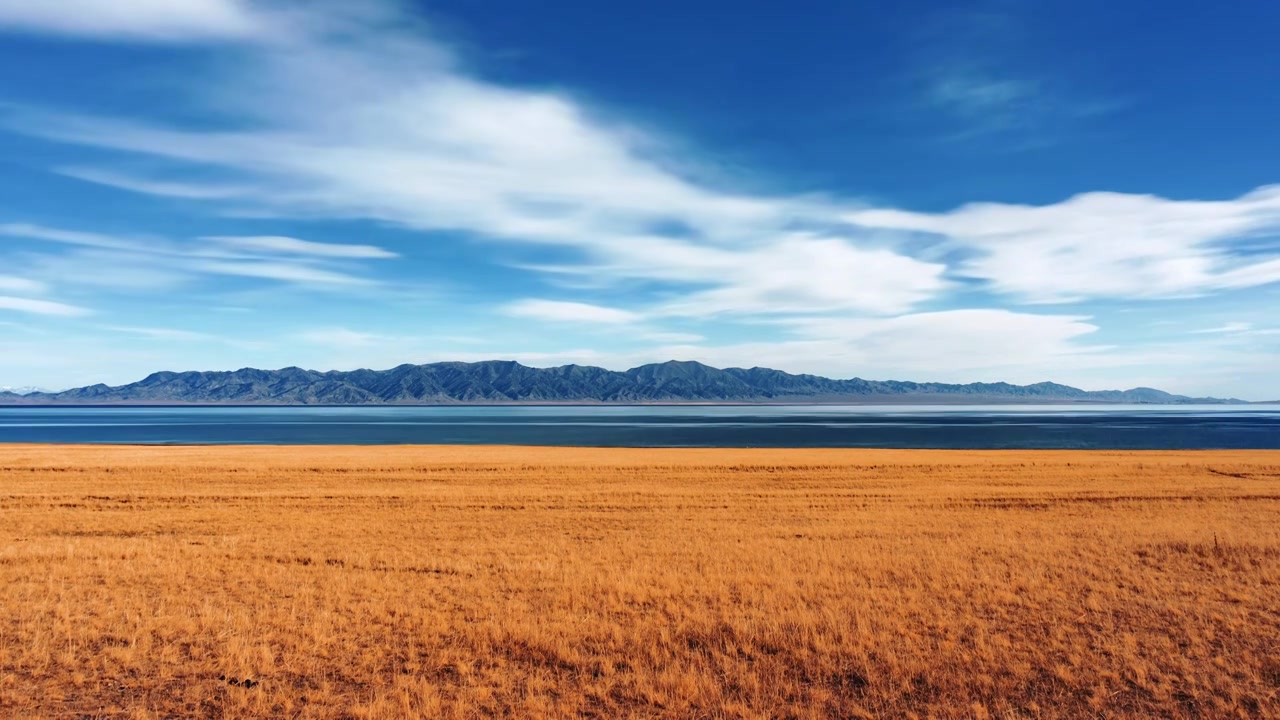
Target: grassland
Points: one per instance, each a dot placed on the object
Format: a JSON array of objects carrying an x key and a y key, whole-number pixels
[{"x": 540, "y": 582}]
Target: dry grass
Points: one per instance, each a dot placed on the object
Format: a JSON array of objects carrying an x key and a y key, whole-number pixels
[{"x": 541, "y": 582}]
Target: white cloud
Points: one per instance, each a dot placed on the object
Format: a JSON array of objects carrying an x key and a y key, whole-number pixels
[
  {"x": 293, "y": 246},
  {"x": 69, "y": 237},
  {"x": 285, "y": 272},
  {"x": 167, "y": 188},
  {"x": 13, "y": 283},
  {"x": 672, "y": 337},
  {"x": 1228, "y": 328},
  {"x": 339, "y": 348},
  {"x": 339, "y": 337},
  {"x": 628, "y": 324},
  {"x": 429, "y": 150},
  {"x": 557, "y": 311},
  {"x": 156, "y": 20},
  {"x": 40, "y": 307},
  {"x": 1250, "y": 275},
  {"x": 1104, "y": 244},
  {"x": 792, "y": 273},
  {"x": 158, "y": 333},
  {"x": 969, "y": 340},
  {"x": 92, "y": 269},
  {"x": 796, "y": 273},
  {"x": 983, "y": 99}
]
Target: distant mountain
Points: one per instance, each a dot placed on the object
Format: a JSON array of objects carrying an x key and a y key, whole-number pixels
[
  {"x": 510, "y": 382},
  {"x": 20, "y": 390}
]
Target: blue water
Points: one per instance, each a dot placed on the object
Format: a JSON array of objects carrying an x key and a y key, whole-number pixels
[{"x": 1021, "y": 426}]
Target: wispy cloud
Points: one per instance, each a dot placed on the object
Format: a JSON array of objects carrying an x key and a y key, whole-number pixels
[
  {"x": 972, "y": 67},
  {"x": 558, "y": 311},
  {"x": 362, "y": 348},
  {"x": 13, "y": 283},
  {"x": 284, "y": 272},
  {"x": 340, "y": 337},
  {"x": 661, "y": 336},
  {"x": 168, "y": 337},
  {"x": 637, "y": 325},
  {"x": 984, "y": 100},
  {"x": 158, "y": 262},
  {"x": 1228, "y": 328},
  {"x": 293, "y": 246},
  {"x": 155, "y": 20},
  {"x": 69, "y": 237},
  {"x": 41, "y": 307},
  {"x": 92, "y": 270},
  {"x": 167, "y": 188},
  {"x": 971, "y": 339},
  {"x": 158, "y": 333},
  {"x": 1238, "y": 331}
]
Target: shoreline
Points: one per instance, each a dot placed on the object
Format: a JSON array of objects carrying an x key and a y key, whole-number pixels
[
  {"x": 861, "y": 402},
  {"x": 506, "y": 450}
]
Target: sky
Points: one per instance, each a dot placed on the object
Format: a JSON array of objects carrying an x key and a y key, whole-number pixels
[{"x": 1082, "y": 192}]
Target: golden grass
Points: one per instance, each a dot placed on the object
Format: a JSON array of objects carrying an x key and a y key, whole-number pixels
[{"x": 543, "y": 582}]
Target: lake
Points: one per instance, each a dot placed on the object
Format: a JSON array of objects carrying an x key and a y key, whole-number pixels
[{"x": 896, "y": 426}]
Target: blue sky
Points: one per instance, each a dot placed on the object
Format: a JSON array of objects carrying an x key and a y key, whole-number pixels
[{"x": 1077, "y": 191}]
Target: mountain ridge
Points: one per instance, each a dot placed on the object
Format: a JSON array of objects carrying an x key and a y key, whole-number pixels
[{"x": 509, "y": 382}]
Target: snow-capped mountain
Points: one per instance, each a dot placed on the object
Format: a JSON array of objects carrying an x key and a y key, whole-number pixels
[{"x": 21, "y": 390}]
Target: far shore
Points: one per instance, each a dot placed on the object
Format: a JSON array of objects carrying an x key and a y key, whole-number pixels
[{"x": 716, "y": 403}]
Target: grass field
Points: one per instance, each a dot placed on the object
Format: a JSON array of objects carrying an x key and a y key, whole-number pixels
[{"x": 543, "y": 582}]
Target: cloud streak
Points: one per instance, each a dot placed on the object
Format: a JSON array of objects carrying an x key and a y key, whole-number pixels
[
  {"x": 283, "y": 272},
  {"x": 1230, "y": 328},
  {"x": 67, "y": 237},
  {"x": 576, "y": 312},
  {"x": 972, "y": 71},
  {"x": 166, "y": 188},
  {"x": 149, "y": 20},
  {"x": 158, "y": 333},
  {"x": 13, "y": 283},
  {"x": 293, "y": 246},
  {"x": 158, "y": 263},
  {"x": 41, "y": 307}
]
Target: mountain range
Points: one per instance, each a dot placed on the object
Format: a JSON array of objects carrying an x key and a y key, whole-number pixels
[{"x": 498, "y": 381}]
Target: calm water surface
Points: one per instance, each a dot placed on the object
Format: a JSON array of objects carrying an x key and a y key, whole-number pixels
[{"x": 897, "y": 426}]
